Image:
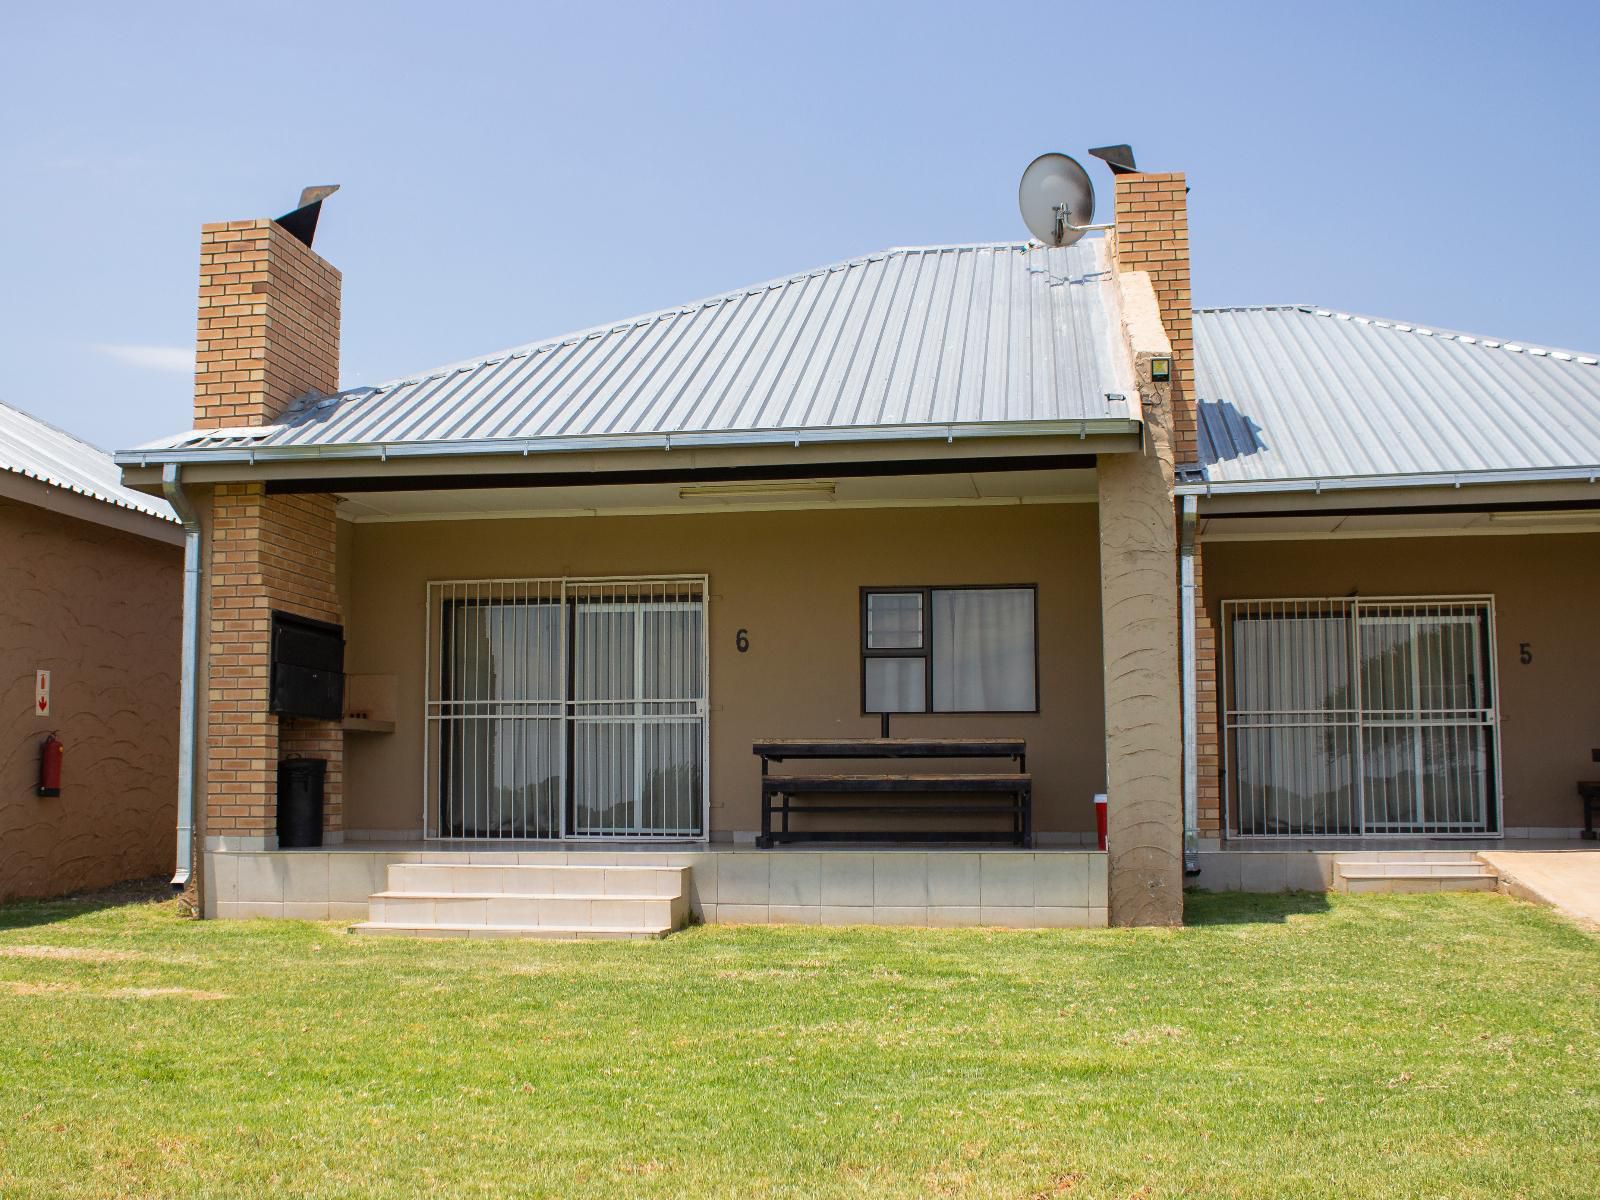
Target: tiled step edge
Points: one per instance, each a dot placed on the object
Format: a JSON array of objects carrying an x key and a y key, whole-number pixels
[{"x": 543, "y": 932}]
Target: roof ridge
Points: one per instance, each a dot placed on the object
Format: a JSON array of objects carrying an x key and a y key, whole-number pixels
[
  {"x": 542, "y": 345},
  {"x": 1416, "y": 329}
]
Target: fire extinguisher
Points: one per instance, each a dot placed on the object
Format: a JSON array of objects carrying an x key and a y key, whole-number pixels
[{"x": 50, "y": 752}]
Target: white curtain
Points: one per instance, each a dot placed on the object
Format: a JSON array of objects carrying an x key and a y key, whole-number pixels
[
  {"x": 983, "y": 651},
  {"x": 896, "y": 685}
]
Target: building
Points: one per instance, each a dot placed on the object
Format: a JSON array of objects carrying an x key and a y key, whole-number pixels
[
  {"x": 89, "y": 596},
  {"x": 992, "y": 490}
]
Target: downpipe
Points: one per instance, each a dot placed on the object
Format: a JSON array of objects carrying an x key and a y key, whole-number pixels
[
  {"x": 188, "y": 695},
  {"x": 1191, "y": 741}
]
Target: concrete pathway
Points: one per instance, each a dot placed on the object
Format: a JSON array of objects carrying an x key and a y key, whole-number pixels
[{"x": 1564, "y": 879}]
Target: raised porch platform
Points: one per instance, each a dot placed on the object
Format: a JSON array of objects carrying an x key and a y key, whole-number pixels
[{"x": 726, "y": 884}]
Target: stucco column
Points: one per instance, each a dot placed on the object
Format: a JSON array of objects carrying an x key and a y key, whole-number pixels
[{"x": 1139, "y": 620}]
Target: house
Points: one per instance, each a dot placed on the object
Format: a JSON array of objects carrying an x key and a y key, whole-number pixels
[
  {"x": 89, "y": 620},
  {"x": 1396, "y": 548},
  {"x": 995, "y": 492}
]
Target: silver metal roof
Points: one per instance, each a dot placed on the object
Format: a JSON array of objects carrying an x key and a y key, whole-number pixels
[
  {"x": 31, "y": 447},
  {"x": 944, "y": 339},
  {"x": 1299, "y": 395}
]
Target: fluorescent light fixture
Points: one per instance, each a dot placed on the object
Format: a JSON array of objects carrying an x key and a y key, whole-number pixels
[
  {"x": 1161, "y": 370},
  {"x": 795, "y": 489},
  {"x": 1566, "y": 517}
]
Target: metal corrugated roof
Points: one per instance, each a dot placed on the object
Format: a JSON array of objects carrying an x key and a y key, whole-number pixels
[
  {"x": 963, "y": 336},
  {"x": 1299, "y": 393},
  {"x": 31, "y": 447}
]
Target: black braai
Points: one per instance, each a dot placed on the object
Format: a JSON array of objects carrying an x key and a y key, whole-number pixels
[{"x": 307, "y": 667}]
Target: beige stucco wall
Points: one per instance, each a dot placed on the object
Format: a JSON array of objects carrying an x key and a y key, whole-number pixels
[
  {"x": 100, "y": 610},
  {"x": 792, "y": 580},
  {"x": 1547, "y": 594}
]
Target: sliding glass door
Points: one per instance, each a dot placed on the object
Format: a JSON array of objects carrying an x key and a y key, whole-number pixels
[
  {"x": 567, "y": 708},
  {"x": 1356, "y": 717}
]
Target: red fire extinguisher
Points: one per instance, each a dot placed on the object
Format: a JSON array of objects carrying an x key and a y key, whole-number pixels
[{"x": 50, "y": 752}]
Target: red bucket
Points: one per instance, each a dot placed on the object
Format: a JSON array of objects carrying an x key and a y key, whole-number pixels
[{"x": 1100, "y": 818}]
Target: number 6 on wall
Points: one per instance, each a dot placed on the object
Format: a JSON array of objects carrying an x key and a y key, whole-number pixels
[{"x": 742, "y": 640}]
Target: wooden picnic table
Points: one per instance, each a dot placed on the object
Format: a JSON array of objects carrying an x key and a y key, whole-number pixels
[{"x": 1008, "y": 794}]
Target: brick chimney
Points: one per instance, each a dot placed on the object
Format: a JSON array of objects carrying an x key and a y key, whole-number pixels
[
  {"x": 268, "y": 331},
  {"x": 1152, "y": 235},
  {"x": 268, "y": 334}
]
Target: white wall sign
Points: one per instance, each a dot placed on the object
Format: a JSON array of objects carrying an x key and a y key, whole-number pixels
[{"x": 41, "y": 693}]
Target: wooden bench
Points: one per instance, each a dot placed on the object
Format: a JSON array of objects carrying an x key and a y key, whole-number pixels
[
  {"x": 1008, "y": 794},
  {"x": 1589, "y": 793}
]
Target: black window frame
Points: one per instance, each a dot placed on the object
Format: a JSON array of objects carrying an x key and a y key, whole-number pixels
[{"x": 925, "y": 653}]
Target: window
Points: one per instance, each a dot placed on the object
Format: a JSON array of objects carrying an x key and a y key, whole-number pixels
[{"x": 949, "y": 650}]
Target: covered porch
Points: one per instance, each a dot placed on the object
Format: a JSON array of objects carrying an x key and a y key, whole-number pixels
[{"x": 577, "y": 676}]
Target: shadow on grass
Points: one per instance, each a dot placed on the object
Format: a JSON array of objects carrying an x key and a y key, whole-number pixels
[
  {"x": 1249, "y": 908},
  {"x": 23, "y": 914}
]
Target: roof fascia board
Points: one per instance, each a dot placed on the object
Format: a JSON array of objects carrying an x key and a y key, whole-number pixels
[
  {"x": 654, "y": 441},
  {"x": 36, "y": 492},
  {"x": 144, "y": 472},
  {"x": 1486, "y": 497},
  {"x": 1289, "y": 487}
]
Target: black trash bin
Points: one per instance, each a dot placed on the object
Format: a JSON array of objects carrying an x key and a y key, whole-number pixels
[{"x": 300, "y": 782}]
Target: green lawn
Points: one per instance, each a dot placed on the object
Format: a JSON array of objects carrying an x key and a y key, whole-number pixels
[{"x": 1299, "y": 1046}]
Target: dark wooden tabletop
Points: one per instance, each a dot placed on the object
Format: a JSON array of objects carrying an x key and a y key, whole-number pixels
[{"x": 782, "y": 748}]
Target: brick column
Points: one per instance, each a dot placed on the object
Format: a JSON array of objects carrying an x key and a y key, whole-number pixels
[
  {"x": 268, "y": 334},
  {"x": 1152, "y": 235},
  {"x": 1139, "y": 622}
]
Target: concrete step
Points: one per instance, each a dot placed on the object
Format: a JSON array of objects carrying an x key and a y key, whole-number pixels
[
  {"x": 1376, "y": 873},
  {"x": 621, "y": 910},
  {"x": 540, "y": 880},
  {"x": 1391, "y": 866},
  {"x": 545, "y": 932},
  {"x": 1418, "y": 883}
]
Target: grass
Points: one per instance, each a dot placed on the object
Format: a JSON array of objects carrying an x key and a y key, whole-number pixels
[{"x": 1300, "y": 1046}]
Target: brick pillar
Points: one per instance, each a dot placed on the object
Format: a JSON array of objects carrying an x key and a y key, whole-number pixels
[
  {"x": 1152, "y": 235},
  {"x": 268, "y": 334}
]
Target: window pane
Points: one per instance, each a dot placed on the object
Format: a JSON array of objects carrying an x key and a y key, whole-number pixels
[
  {"x": 894, "y": 620},
  {"x": 983, "y": 650},
  {"x": 896, "y": 685}
]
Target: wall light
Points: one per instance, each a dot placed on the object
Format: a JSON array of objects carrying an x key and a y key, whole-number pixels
[{"x": 1161, "y": 370}]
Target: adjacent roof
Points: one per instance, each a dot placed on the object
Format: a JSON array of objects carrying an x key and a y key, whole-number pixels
[
  {"x": 1302, "y": 395},
  {"x": 30, "y": 447},
  {"x": 923, "y": 339}
]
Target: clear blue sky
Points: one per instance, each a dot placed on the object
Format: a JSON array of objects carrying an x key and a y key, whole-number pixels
[{"x": 512, "y": 171}]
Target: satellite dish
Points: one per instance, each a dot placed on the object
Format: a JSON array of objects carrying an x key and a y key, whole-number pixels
[{"x": 1057, "y": 199}]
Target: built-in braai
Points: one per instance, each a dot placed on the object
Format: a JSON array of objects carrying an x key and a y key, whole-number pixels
[{"x": 307, "y": 667}]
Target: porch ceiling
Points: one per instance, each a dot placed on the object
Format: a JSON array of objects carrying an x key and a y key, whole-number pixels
[{"x": 822, "y": 492}]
